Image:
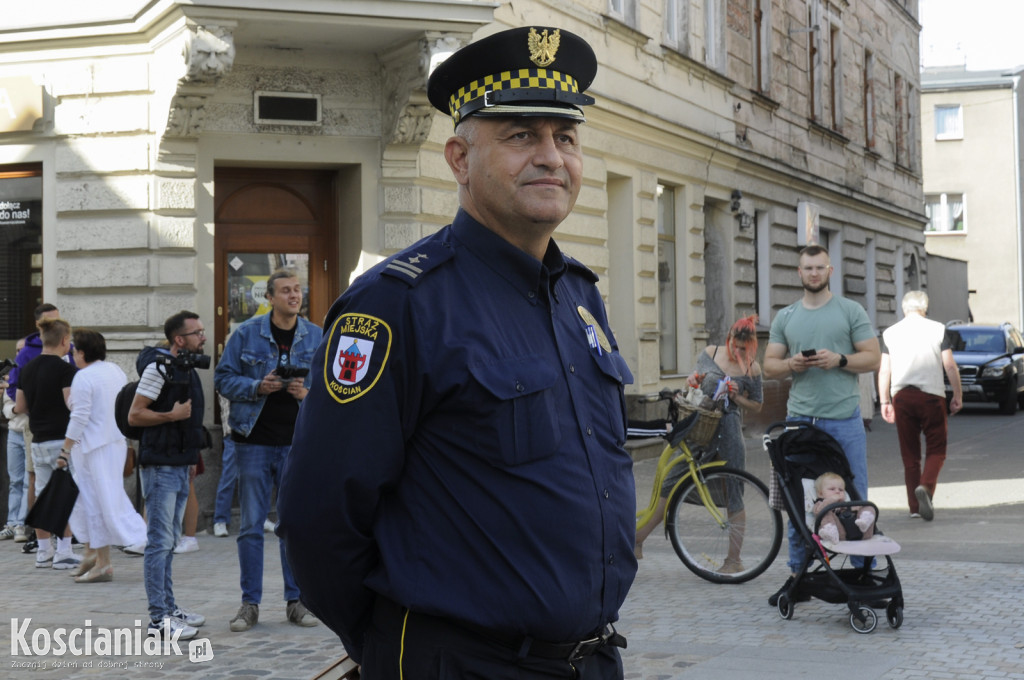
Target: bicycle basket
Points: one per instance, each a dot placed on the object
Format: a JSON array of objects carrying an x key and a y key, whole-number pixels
[{"x": 706, "y": 426}]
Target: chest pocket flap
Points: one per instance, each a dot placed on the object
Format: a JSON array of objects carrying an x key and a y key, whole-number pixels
[{"x": 525, "y": 408}]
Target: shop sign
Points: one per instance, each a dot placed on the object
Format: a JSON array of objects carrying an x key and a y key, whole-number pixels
[{"x": 19, "y": 213}]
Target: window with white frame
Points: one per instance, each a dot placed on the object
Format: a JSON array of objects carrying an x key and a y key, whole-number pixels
[
  {"x": 677, "y": 25},
  {"x": 946, "y": 213},
  {"x": 668, "y": 280},
  {"x": 714, "y": 34},
  {"x": 869, "y": 100},
  {"x": 762, "y": 45},
  {"x": 836, "y": 77},
  {"x": 899, "y": 90},
  {"x": 623, "y": 10},
  {"x": 949, "y": 121},
  {"x": 815, "y": 66}
]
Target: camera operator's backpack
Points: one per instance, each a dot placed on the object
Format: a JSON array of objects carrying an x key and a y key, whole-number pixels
[
  {"x": 125, "y": 396},
  {"x": 122, "y": 405}
]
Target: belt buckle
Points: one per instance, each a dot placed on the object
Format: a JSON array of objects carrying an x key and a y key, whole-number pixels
[{"x": 585, "y": 648}]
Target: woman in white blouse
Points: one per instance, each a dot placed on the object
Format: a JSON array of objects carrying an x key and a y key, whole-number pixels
[{"x": 103, "y": 514}]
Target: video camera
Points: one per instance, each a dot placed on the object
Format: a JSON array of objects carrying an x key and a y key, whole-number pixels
[
  {"x": 5, "y": 367},
  {"x": 289, "y": 372},
  {"x": 184, "y": 360}
]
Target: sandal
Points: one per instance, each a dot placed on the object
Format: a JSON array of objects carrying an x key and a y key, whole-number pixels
[{"x": 731, "y": 566}]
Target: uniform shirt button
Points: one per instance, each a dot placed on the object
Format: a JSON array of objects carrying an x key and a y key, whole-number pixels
[
  {"x": 606, "y": 494},
  {"x": 589, "y": 431},
  {"x": 572, "y": 368},
  {"x": 519, "y": 387},
  {"x": 611, "y": 559},
  {"x": 531, "y": 295}
]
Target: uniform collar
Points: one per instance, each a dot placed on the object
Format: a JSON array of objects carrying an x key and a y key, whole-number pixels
[{"x": 521, "y": 270}]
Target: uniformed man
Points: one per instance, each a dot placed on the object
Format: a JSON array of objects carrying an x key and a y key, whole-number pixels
[{"x": 457, "y": 496}]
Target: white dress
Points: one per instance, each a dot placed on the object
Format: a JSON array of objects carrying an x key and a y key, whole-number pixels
[{"x": 103, "y": 515}]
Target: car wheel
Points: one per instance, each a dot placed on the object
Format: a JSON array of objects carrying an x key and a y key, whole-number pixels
[{"x": 1008, "y": 404}]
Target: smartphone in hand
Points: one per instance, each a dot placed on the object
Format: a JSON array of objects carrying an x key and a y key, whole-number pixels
[{"x": 809, "y": 352}]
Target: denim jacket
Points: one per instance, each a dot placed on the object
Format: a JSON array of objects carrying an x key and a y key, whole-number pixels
[{"x": 249, "y": 355}]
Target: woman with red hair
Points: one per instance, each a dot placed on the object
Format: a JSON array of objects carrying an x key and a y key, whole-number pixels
[{"x": 737, "y": 360}]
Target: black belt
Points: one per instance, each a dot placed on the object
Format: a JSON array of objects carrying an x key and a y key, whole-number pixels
[
  {"x": 568, "y": 651},
  {"x": 523, "y": 646}
]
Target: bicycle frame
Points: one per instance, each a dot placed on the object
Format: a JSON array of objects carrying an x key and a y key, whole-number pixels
[{"x": 666, "y": 462}]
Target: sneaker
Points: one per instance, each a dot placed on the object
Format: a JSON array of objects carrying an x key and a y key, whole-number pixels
[
  {"x": 44, "y": 559},
  {"x": 188, "y": 618},
  {"x": 299, "y": 615},
  {"x": 31, "y": 545},
  {"x": 7, "y": 533},
  {"x": 247, "y": 616},
  {"x": 268, "y": 527},
  {"x": 20, "y": 536},
  {"x": 67, "y": 560},
  {"x": 187, "y": 544},
  {"x": 924, "y": 504},
  {"x": 167, "y": 628},
  {"x": 220, "y": 529},
  {"x": 135, "y": 550},
  {"x": 915, "y": 515}
]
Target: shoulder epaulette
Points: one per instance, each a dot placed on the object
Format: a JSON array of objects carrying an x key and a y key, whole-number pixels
[
  {"x": 413, "y": 264},
  {"x": 581, "y": 268}
]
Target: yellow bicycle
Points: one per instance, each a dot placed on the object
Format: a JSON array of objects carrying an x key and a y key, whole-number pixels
[{"x": 718, "y": 518}]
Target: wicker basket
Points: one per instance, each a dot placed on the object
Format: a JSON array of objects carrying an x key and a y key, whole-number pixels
[{"x": 704, "y": 430}]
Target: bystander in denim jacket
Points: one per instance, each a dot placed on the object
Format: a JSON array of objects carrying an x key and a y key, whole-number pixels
[{"x": 249, "y": 357}]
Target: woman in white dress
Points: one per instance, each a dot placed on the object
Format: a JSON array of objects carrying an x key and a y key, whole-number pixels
[{"x": 103, "y": 515}]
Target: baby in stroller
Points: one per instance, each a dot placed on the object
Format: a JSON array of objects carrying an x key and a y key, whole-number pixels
[
  {"x": 806, "y": 462},
  {"x": 855, "y": 522}
]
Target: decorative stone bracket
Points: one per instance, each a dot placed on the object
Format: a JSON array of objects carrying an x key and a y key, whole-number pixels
[
  {"x": 407, "y": 113},
  {"x": 208, "y": 53}
]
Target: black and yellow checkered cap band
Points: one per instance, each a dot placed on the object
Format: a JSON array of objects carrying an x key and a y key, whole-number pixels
[{"x": 542, "y": 84}]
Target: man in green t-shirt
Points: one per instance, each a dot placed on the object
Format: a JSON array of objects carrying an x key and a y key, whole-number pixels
[{"x": 824, "y": 341}]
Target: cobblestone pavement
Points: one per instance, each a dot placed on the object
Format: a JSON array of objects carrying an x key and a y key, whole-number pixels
[{"x": 963, "y": 619}]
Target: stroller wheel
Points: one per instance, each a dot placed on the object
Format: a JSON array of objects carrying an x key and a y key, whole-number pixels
[
  {"x": 894, "y": 614},
  {"x": 869, "y": 623},
  {"x": 785, "y": 607}
]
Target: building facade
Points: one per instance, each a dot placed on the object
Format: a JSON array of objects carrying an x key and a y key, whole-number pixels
[
  {"x": 972, "y": 124},
  {"x": 170, "y": 155}
]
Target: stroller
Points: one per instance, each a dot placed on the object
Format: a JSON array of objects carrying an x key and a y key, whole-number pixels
[{"x": 799, "y": 455}]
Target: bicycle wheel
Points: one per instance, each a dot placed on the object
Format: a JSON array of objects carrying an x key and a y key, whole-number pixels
[{"x": 741, "y": 524}]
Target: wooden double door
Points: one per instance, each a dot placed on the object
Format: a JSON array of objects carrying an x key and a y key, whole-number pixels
[{"x": 270, "y": 218}]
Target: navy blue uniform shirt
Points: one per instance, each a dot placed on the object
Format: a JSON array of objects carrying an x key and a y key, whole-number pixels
[{"x": 461, "y": 449}]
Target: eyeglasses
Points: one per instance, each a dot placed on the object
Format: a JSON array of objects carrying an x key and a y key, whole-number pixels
[{"x": 201, "y": 333}]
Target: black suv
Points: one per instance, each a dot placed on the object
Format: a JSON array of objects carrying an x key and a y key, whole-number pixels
[{"x": 991, "y": 362}]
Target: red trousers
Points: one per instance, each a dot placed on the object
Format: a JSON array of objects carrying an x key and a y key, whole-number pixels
[{"x": 920, "y": 413}]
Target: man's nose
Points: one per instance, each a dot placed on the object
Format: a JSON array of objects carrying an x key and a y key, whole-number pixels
[{"x": 547, "y": 153}]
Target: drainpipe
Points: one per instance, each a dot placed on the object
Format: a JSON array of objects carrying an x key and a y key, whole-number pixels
[{"x": 1020, "y": 222}]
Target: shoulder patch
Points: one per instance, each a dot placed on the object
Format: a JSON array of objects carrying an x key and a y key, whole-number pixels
[
  {"x": 411, "y": 265},
  {"x": 357, "y": 352}
]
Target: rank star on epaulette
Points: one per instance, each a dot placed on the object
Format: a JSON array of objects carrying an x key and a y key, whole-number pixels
[
  {"x": 356, "y": 355},
  {"x": 408, "y": 266}
]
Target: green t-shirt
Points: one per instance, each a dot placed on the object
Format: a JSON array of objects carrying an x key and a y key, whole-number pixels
[{"x": 836, "y": 326}]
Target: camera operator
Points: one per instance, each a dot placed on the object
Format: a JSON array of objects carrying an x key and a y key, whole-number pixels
[
  {"x": 265, "y": 390},
  {"x": 169, "y": 405}
]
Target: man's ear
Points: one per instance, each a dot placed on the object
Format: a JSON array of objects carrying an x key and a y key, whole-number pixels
[{"x": 456, "y": 152}]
